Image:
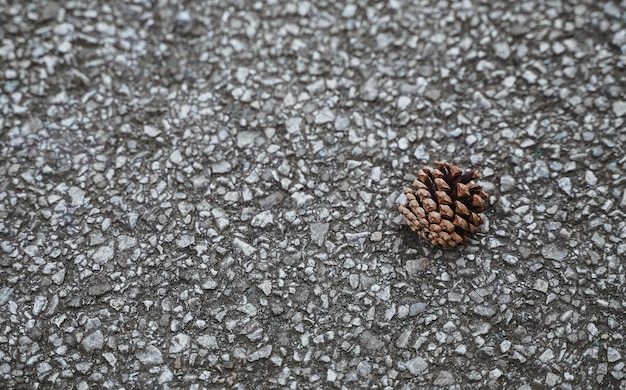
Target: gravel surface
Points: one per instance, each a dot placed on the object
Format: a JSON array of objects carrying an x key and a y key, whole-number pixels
[{"x": 203, "y": 195}]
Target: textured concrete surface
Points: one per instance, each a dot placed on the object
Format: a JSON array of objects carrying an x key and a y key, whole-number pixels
[{"x": 203, "y": 195}]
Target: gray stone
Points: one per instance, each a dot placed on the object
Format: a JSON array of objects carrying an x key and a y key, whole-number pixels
[
  {"x": 262, "y": 219},
  {"x": 565, "y": 184},
  {"x": 553, "y": 252},
  {"x": 318, "y": 232},
  {"x": 150, "y": 356},
  {"x": 293, "y": 125},
  {"x": 619, "y": 107},
  {"x": 507, "y": 183},
  {"x": 417, "y": 365},
  {"x": 246, "y": 138},
  {"x": 125, "y": 242},
  {"x": 5, "y": 294},
  {"x": 272, "y": 200},
  {"x": 185, "y": 240},
  {"x": 207, "y": 341},
  {"x": 416, "y": 308},
  {"x": 179, "y": 343},
  {"x": 103, "y": 254},
  {"x": 612, "y": 355},
  {"x": 221, "y": 167},
  {"x": 502, "y": 50},
  {"x": 176, "y": 157},
  {"x": 370, "y": 341},
  {"x": 369, "y": 90},
  {"x": 590, "y": 178},
  {"x": 444, "y": 378},
  {"x": 93, "y": 341},
  {"x": 484, "y": 311},
  {"x": 262, "y": 353},
  {"x": 325, "y": 115},
  {"x": 349, "y": 10},
  {"x": 151, "y": 131},
  {"x": 247, "y": 249},
  {"x": 100, "y": 287}
]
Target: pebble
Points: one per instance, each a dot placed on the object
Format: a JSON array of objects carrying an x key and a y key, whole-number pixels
[
  {"x": 93, "y": 341},
  {"x": 553, "y": 252},
  {"x": 103, "y": 254},
  {"x": 369, "y": 90},
  {"x": 221, "y": 167},
  {"x": 151, "y": 131},
  {"x": 246, "y": 249},
  {"x": 502, "y": 50},
  {"x": 541, "y": 285},
  {"x": 619, "y": 108},
  {"x": 403, "y": 102},
  {"x": 325, "y": 115},
  {"x": 349, "y": 10},
  {"x": 507, "y": 183},
  {"x": 417, "y": 366},
  {"x": 246, "y": 138},
  {"x": 590, "y": 178},
  {"x": 262, "y": 219},
  {"x": 150, "y": 356},
  {"x": 179, "y": 343},
  {"x": 293, "y": 125},
  {"x": 565, "y": 184},
  {"x": 612, "y": 355},
  {"x": 318, "y": 232}
]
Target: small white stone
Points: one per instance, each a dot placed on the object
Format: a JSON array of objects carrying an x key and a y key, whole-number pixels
[
  {"x": 93, "y": 341},
  {"x": 176, "y": 157},
  {"x": 502, "y": 50},
  {"x": 529, "y": 76},
  {"x": 349, "y": 11},
  {"x": 619, "y": 107},
  {"x": 246, "y": 248},
  {"x": 166, "y": 376},
  {"x": 262, "y": 219},
  {"x": 416, "y": 366},
  {"x": 403, "y": 143},
  {"x": 77, "y": 195},
  {"x": 266, "y": 287},
  {"x": 103, "y": 254},
  {"x": 325, "y": 115},
  {"x": 150, "y": 356},
  {"x": 565, "y": 184},
  {"x": 376, "y": 236},
  {"x": 179, "y": 343},
  {"x": 507, "y": 183},
  {"x": 221, "y": 167},
  {"x": 541, "y": 285},
  {"x": 590, "y": 178},
  {"x": 207, "y": 341},
  {"x": 403, "y": 102},
  {"x": 293, "y": 125},
  {"x": 546, "y": 356},
  {"x": 246, "y": 138},
  {"x": 39, "y": 305},
  {"x": 612, "y": 355}
]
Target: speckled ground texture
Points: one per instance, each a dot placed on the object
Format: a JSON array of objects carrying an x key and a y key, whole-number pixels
[{"x": 204, "y": 195}]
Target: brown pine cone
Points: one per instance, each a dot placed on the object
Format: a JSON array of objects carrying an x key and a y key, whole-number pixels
[{"x": 444, "y": 204}]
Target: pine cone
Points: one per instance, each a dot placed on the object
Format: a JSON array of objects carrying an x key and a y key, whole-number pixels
[{"x": 444, "y": 204}]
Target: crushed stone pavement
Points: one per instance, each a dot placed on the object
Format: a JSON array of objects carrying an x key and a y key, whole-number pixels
[{"x": 196, "y": 193}]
